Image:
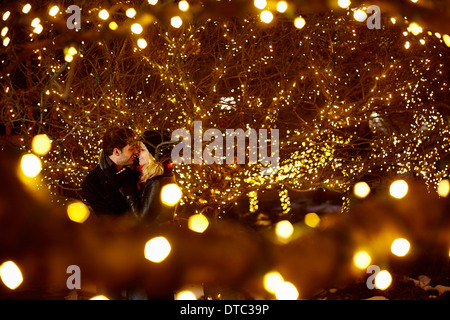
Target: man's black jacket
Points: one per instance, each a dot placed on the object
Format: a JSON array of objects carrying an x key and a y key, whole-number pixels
[{"x": 109, "y": 191}]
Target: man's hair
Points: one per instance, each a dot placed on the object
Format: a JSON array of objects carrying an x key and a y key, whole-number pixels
[{"x": 116, "y": 137}]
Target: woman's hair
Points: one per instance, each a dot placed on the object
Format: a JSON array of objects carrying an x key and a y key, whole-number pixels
[{"x": 151, "y": 169}]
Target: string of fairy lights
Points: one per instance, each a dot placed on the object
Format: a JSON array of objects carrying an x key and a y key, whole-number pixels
[{"x": 311, "y": 152}]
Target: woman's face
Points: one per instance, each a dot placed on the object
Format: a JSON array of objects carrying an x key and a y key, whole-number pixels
[{"x": 144, "y": 155}]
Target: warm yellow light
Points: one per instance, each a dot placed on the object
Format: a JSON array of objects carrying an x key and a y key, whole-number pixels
[
  {"x": 136, "y": 28},
  {"x": 446, "y": 39},
  {"x": 41, "y": 144},
  {"x": 272, "y": 280},
  {"x": 142, "y": 43},
  {"x": 400, "y": 247},
  {"x": 393, "y": 20},
  {"x": 183, "y": 5},
  {"x": 362, "y": 259},
  {"x": 176, "y": 22},
  {"x": 130, "y": 13},
  {"x": 11, "y": 275},
  {"x": 443, "y": 188},
  {"x": 38, "y": 29},
  {"x": 383, "y": 280},
  {"x": 171, "y": 194},
  {"x": 407, "y": 44},
  {"x": 284, "y": 229},
  {"x": 100, "y": 297},
  {"x": 6, "y": 41},
  {"x": 78, "y": 212},
  {"x": 68, "y": 57},
  {"x": 31, "y": 165},
  {"x": 299, "y": 22},
  {"x": 198, "y": 223},
  {"x": 72, "y": 51},
  {"x": 359, "y": 15},
  {"x": 35, "y": 22},
  {"x": 103, "y": 14},
  {"x": 266, "y": 16},
  {"x": 26, "y": 8},
  {"x": 361, "y": 189},
  {"x": 113, "y": 25},
  {"x": 260, "y": 4},
  {"x": 185, "y": 295},
  {"x": 6, "y": 15},
  {"x": 157, "y": 249},
  {"x": 398, "y": 189},
  {"x": 53, "y": 11},
  {"x": 344, "y": 3},
  {"x": 152, "y": 2},
  {"x": 286, "y": 291},
  {"x": 282, "y": 6},
  {"x": 415, "y": 1},
  {"x": 4, "y": 31},
  {"x": 312, "y": 219},
  {"x": 414, "y": 28}
]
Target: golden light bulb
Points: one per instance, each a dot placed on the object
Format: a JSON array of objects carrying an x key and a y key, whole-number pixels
[
  {"x": 176, "y": 22},
  {"x": 299, "y": 22},
  {"x": 35, "y": 22},
  {"x": 157, "y": 249},
  {"x": 6, "y": 15},
  {"x": 99, "y": 297},
  {"x": 284, "y": 229},
  {"x": 53, "y": 11},
  {"x": 78, "y": 212},
  {"x": 266, "y": 16},
  {"x": 68, "y": 57},
  {"x": 6, "y": 41},
  {"x": 26, "y": 8},
  {"x": 103, "y": 14},
  {"x": 11, "y": 275},
  {"x": 414, "y": 28},
  {"x": 362, "y": 259},
  {"x": 31, "y": 165},
  {"x": 260, "y": 4},
  {"x": 198, "y": 223},
  {"x": 38, "y": 29},
  {"x": 41, "y": 144},
  {"x": 398, "y": 189},
  {"x": 136, "y": 28},
  {"x": 4, "y": 31},
  {"x": 130, "y": 13},
  {"x": 171, "y": 194},
  {"x": 312, "y": 219},
  {"x": 142, "y": 43},
  {"x": 361, "y": 189},
  {"x": 446, "y": 39},
  {"x": 359, "y": 15},
  {"x": 400, "y": 247},
  {"x": 286, "y": 291},
  {"x": 282, "y": 6},
  {"x": 183, "y": 5},
  {"x": 383, "y": 280},
  {"x": 272, "y": 280},
  {"x": 153, "y": 2},
  {"x": 185, "y": 295},
  {"x": 344, "y": 3},
  {"x": 443, "y": 188},
  {"x": 113, "y": 25}
]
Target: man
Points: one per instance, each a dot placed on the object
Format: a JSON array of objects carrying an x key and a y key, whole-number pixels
[{"x": 111, "y": 188}]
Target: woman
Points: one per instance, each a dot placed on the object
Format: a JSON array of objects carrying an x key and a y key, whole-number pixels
[{"x": 154, "y": 176}]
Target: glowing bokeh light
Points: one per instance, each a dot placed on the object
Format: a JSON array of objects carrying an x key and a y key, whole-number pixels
[{"x": 157, "y": 249}]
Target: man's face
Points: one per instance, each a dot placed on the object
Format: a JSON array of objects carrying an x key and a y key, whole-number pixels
[{"x": 125, "y": 157}]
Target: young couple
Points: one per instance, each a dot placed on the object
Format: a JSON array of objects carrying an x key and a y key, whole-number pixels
[{"x": 119, "y": 186}]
